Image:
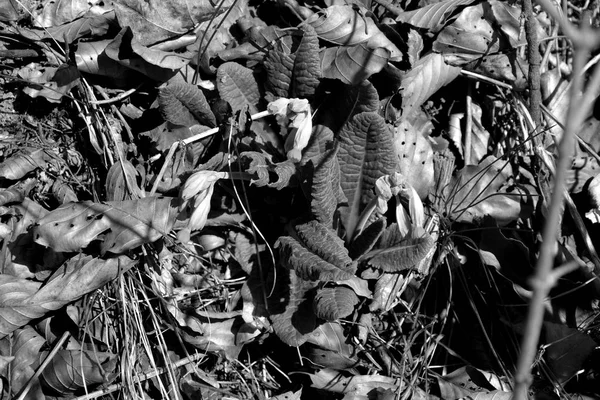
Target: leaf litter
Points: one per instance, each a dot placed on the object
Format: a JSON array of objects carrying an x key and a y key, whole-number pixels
[{"x": 283, "y": 199}]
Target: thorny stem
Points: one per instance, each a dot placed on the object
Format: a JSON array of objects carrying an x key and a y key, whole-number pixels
[{"x": 543, "y": 270}]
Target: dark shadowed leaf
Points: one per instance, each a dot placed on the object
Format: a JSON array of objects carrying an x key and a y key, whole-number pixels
[
  {"x": 364, "y": 242},
  {"x": 184, "y": 104},
  {"x": 291, "y": 309},
  {"x": 353, "y": 64}
]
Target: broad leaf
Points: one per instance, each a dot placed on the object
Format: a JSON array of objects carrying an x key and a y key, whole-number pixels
[
  {"x": 73, "y": 370},
  {"x": 332, "y": 303},
  {"x": 131, "y": 223},
  {"x": 91, "y": 58},
  {"x": 366, "y": 153},
  {"x": 345, "y": 25},
  {"x": 155, "y": 64},
  {"x": 396, "y": 253},
  {"x": 22, "y": 301},
  {"x": 428, "y": 75},
  {"x": 26, "y": 347},
  {"x": 279, "y": 66},
  {"x": 184, "y": 104},
  {"x": 433, "y": 17},
  {"x": 348, "y": 102},
  {"x": 353, "y": 64},
  {"x": 153, "y": 21}
]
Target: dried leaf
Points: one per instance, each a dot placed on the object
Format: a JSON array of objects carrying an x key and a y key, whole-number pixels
[
  {"x": 22, "y": 163},
  {"x": 433, "y": 17},
  {"x": 73, "y": 370},
  {"x": 119, "y": 176},
  {"x": 22, "y": 301},
  {"x": 131, "y": 223},
  {"x": 91, "y": 58},
  {"x": 263, "y": 167},
  {"x": 346, "y": 25},
  {"x": 26, "y": 347}
]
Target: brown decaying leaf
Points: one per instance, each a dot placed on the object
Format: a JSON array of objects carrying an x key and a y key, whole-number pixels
[
  {"x": 353, "y": 64},
  {"x": 26, "y": 347},
  {"x": 130, "y": 223},
  {"x": 22, "y": 300},
  {"x": 345, "y": 25},
  {"x": 72, "y": 370}
]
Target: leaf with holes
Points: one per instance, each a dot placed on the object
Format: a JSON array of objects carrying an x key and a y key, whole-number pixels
[
  {"x": 346, "y": 26},
  {"x": 22, "y": 301},
  {"x": 366, "y": 153},
  {"x": 184, "y": 104},
  {"x": 415, "y": 157},
  {"x": 367, "y": 239},
  {"x": 127, "y": 224},
  {"x": 433, "y": 17},
  {"x": 395, "y": 253},
  {"x": 353, "y": 64},
  {"x": 332, "y": 303}
]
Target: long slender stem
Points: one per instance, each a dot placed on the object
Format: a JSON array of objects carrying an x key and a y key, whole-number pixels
[{"x": 541, "y": 283}]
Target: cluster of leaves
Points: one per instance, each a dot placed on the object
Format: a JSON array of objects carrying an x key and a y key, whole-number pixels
[{"x": 301, "y": 248}]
